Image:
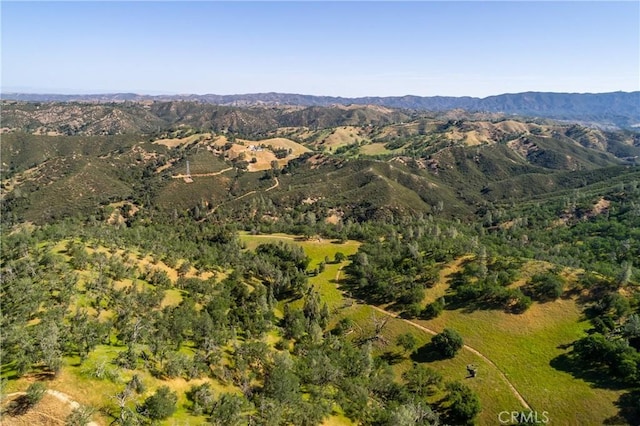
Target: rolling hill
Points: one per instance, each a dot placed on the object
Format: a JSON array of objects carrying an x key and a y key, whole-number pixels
[
  {"x": 616, "y": 109},
  {"x": 357, "y": 162},
  {"x": 218, "y": 255}
]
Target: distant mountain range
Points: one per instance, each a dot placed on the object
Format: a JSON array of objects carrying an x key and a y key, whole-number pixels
[{"x": 615, "y": 109}]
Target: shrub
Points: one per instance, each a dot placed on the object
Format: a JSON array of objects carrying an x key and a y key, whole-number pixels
[
  {"x": 343, "y": 326},
  {"x": 177, "y": 364},
  {"x": 432, "y": 310},
  {"x": 407, "y": 341},
  {"x": 127, "y": 359},
  {"x": 422, "y": 381},
  {"x": 136, "y": 384},
  {"x": 465, "y": 404},
  {"x": 413, "y": 311},
  {"x": 202, "y": 398},
  {"x": 545, "y": 287},
  {"x": 447, "y": 343},
  {"x": 80, "y": 416},
  {"x": 160, "y": 405},
  {"x": 521, "y": 304},
  {"x": 35, "y": 392},
  {"x": 227, "y": 410}
]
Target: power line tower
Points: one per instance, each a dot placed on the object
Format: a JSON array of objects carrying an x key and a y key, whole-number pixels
[{"x": 187, "y": 177}]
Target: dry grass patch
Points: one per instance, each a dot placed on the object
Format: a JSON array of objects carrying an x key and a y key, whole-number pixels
[
  {"x": 510, "y": 126},
  {"x": 341, "y": 136},
  {"x": 148, "y": 262},
  {"x": 475, "y": 137},
  {"x": 172, "y": 143},
  {"x": 49, "y": 411},
  {"x": 257, "y": 153},
  {"x": 440, "y": 288},
  {"x": 172, "y": 297},
  {"x": 376, "y": 148},
  {"x": 400, "y": 130},
  {"x": 295, "y": 147},
  {"x": 263, "y": 160},
  {"x": 19, "y": 178}
]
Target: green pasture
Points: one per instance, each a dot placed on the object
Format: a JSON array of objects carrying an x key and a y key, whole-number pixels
[{"x": 526, "y": 348}]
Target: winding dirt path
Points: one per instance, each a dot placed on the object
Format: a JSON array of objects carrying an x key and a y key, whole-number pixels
[
  {"x": 474, "y": 351},
  {"x": 275, "y": 185}
]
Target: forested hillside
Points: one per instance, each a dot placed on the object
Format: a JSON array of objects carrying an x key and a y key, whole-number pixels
[{"x": 617, "y": 109}]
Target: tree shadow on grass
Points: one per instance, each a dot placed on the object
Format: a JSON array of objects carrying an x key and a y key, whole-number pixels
[
  {"x": 19, "y": 406},
  {"x": 629, "y": 409},
  {"x": 469, "y": 306},
  {"x": 392, "y": 358},
  {"x": 427, "y": 353},
  {"x": 597, "y": 376}
]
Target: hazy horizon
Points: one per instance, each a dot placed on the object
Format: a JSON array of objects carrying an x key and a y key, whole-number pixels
[
  {"x": 346, "y": 49},
  {"x": 63, "y": 92}
]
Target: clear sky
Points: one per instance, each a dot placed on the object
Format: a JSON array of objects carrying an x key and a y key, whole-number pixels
[{"x": 338, "y": 48}]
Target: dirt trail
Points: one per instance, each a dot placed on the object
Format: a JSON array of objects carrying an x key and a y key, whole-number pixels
[
  {"x": 474, "y": 351},
  {"x": 284, "y": 237},
  {"x": 467, "y": 347},
  {"x": 210, "y": 212},
  {"x": 202, "y": 174},
  {"x": 275, "y": 185}
]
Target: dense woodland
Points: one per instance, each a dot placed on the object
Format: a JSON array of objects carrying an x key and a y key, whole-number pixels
[{"x": 256, "y": 341}]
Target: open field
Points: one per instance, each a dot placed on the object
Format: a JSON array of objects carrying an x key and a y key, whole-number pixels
[
  {"x": 259, "y": 153},
  {"x": 49, "y": 411},
  {"x": 376, "y": 148},
  {"x": 296, "y": 148},
  {"x": 523, "y": 347},
  {"x": 316, "y": 249},
  {"x": 494, "y": 393},
  {"x": 341, "y": 136},
  {"x": 175, "y": 142},
  {"x": 324, "y": 282}
]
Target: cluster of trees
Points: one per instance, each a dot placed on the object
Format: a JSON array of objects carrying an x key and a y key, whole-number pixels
[
  {"x": 399, "y": 268},
  {"x": 546, "y": 286},
  {"x": 548, "y": 231},
  {"x": 613, "y": 346},
  {"x": 49, "y": 315},
  {"x": 301, "y": 389},
  {"x": 483, "y": 283}
]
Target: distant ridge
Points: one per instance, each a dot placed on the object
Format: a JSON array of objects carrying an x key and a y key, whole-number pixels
[{"x": 614, "y": 109}]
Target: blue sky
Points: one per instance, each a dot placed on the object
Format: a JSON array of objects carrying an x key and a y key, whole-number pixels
[{"x": 321, "y": 48}]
